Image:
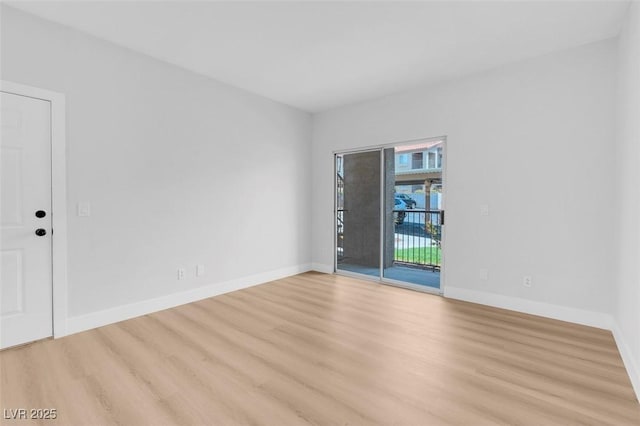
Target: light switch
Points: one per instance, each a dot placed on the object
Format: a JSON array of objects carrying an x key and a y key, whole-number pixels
[
  {"x": 199, "y": 270},
  {"x": 84, "y": 209},
  {"x": 484, "y": 274},
  {"x": 484, "y": 210}
]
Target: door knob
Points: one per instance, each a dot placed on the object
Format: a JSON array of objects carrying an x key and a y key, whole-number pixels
[
  {"x": 41, "y": 232},
  {"x": 40, "y": 214}
]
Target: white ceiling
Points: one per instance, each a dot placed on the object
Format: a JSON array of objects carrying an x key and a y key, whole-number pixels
[{"x": 320, "y": 55}]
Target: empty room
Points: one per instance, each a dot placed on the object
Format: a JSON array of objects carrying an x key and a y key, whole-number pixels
[{"x": 320, "y": 212}]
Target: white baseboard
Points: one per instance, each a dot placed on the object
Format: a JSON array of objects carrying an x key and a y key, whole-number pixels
[
  {"x": 321, "y": 267},
  {"x": 124, "y": 312},
  {"x": 562, "y": 313},
  {"x": 630, "y": 363}
]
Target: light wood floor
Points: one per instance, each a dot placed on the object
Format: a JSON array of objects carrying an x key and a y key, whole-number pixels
[{"x": 325, "y": 350}]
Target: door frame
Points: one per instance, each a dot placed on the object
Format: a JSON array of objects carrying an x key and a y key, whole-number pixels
[
  {"x": 381, "y": 279},
  {"x": 59, "y": 282}
]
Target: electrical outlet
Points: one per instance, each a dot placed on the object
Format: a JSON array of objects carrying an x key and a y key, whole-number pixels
[
  {"x": 484, "y": 210},
  {"x": 527, "y": 281},
  {"x": 84, "y": 209},
  {"x": 199, "y": 270},
  {"x": 181, "y": 273}
]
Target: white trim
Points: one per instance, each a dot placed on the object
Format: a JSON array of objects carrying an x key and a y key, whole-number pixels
[
  {"x": 58, "y": 196},
  {"x": 321, "y": 267},
  {"x": 562, "y": 313},
  {"x": 630, "y": 363},
  {"x": 120, "y": 313},
  {"x": 382, "y": 222}
]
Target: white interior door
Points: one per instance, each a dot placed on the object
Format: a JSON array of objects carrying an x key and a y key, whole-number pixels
[{"x": 25, "y": 220}]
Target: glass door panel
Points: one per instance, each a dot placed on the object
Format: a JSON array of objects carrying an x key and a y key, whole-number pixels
[
  {"x": 412, "y": 221},
  {"x": 358, "y": 177}
]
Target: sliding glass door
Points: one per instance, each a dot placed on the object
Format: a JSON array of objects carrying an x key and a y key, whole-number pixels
[{"x": 389, "y": 213}]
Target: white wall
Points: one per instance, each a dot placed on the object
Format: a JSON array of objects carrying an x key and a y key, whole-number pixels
[
  {"x": 534, "y": 140},
  {"x": 627, "y": 306},
  {"x": 166, "y": 158}
]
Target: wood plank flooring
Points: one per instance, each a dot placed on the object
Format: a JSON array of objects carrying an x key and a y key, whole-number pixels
[{"x": 325, "y": 350}]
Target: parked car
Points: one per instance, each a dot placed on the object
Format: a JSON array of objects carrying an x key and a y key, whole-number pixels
[
  {"x": 399, "y": 211},
  {"x": 410, "y": 202}
]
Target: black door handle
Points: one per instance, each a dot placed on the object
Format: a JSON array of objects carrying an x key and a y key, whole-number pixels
[
  {"x": 40, "y": 214},
  {"x": 41, "y": 232}
]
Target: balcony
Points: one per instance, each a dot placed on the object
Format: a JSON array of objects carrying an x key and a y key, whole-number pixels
[{"x": 416, "y": 249}]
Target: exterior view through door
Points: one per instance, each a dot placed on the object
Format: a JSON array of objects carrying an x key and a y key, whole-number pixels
[
  {"x": 26, "y": 306},
  {"x": 389, "y": 213}
]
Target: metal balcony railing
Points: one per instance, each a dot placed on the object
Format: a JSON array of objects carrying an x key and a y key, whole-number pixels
[{"x": 416, "y": 238}]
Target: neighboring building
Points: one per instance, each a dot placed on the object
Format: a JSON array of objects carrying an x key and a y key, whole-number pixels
[
  {"x": 419, "y": 160},
  {"x": 420, "y": 166}
]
